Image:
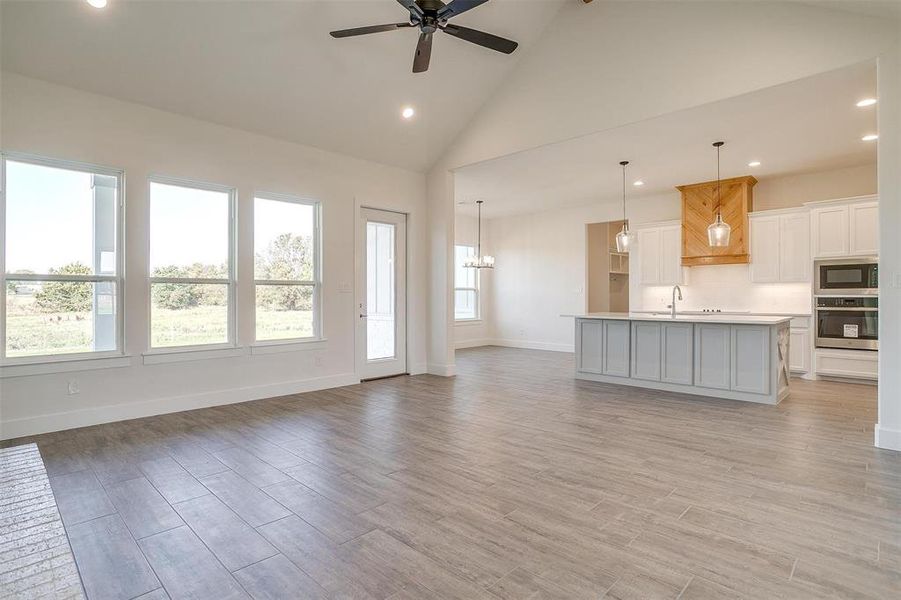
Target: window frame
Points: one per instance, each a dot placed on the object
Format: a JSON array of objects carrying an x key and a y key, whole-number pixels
[
  {"x": 315, "y": 283},
  {"x": 118, "y": 279},
  {"x": 230, "y": 281},
  {"x": 476, "y": 289}
]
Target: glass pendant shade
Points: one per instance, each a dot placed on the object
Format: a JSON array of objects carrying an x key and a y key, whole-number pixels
[
  {"x": 478, "y": 261},
  {"x": 718, "y": 233},
  {"x": 625, "y": 239}
]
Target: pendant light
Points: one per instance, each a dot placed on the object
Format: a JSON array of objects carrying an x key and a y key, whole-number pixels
[
  {"x": 625, "y": 239},
  {"x": 478, "y": 261},
  {"x": 719, "y": 232}
]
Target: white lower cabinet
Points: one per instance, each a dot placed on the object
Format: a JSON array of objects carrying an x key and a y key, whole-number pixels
[
  {"x": 799, "y": 346},
  {"x": 750, "y": 359},
  {"x": 713, "y": 348},
  {"x": 616, "y": 348},
  {"x": 677, "y": 341}
]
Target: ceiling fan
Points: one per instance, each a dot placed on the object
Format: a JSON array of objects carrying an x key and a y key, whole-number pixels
[{"x": 431, "y": 16}]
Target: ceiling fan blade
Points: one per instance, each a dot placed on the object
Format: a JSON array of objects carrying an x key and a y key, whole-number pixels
[
  {"x": 481, "y": 38},
  {"x": 415, "y": 10},
  {"x": 457, "y": 7},
  {"x": 423, "y": 53},
  {"x": 342, "y": 33}
]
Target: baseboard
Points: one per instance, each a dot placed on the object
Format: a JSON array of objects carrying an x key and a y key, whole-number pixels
[
  {"x": 532, "y": 345},
  {"x": 419, "y": 369},
  {"x": 888, "y": 439},
  {"x": 15, "y": 428},
  {"x": 442, "y": 370},
  {"x": 472, "y": 343}
]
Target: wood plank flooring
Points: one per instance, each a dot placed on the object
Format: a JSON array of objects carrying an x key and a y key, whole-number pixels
[{"x": 512, "y": 480}]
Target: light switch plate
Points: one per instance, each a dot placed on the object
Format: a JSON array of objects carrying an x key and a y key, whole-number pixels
[{"x": 345, "y": 288}]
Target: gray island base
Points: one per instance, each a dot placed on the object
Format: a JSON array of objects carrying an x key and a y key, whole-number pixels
[{"x": 736, "y": 357}]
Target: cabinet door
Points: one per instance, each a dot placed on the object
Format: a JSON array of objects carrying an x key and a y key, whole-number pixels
[
  {"x": 712, "y": 350},
  {"x": 670, "y": 255},
  {"x": 646, "y": 350},
  {"x": 864, "y": 228},
  {"x": 794, "y": 247},
  {"x": 590, "y": 342},
  {"x": 616, "y": 348},
  {"x": 648, "y": 256},
  {"x": 751, "y": 358},
  {"x": 764, "y": 249},
  {"x": 830, "y": 231},
  {"x": 799, "y": 350},
  {"x": 677, "y": 353}
]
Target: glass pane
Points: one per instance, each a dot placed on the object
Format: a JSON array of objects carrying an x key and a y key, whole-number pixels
[
  {"x": 59, "y": 221},
  {"x": 59, "y": 317},
  {"x": 464, "y": 277},
  {"x": 284, "y": 311},
  {"x": 465, "y": 305},
  {"x": 380, "y": 291},
  {"x": 188, "y": 314},
  {"x": 283, "y": 240},
  {"x": 188, "y": 232}
]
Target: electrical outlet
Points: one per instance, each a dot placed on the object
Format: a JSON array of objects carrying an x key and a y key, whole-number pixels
[
  {"x": 317, "y": 360},
  {"x": 896, "y": 280},
  {"x": 345, "y": 288},
  {"x": 73, "y": 388}
]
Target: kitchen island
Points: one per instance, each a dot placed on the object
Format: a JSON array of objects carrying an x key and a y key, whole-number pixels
[{"x": 737, "y": 357}]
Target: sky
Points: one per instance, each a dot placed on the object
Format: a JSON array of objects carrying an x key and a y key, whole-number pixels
[{"x": 50, "y": 222}]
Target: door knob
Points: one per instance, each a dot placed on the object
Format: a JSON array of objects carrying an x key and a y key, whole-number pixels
[{"x": 362, "y": 316}]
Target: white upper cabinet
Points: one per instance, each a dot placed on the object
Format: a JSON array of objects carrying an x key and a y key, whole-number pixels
[
  {"x": 845, "y": 228},
  {"x": 780, "y": 246},
  {"x": 863, "y": 222},
  {"x": 659, "y": 254}
]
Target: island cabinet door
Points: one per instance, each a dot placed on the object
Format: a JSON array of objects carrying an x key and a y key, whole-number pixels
[
  {"x": 751, "y": 358},
  {"x": 646, "y": 350},
  {"x": 676, "y": 350},
  {"x": 616, "y": 348},
  {"x": 712, "y": 352},
  {"x": 589, "y": 341}
]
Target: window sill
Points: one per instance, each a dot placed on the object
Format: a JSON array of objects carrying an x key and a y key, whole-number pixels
[
  {"x": 63, "y": 365},
  {"x": 279, "y": 346},
  {"x": 467, "y": 321},
  {"x": 159, "y": 357}
]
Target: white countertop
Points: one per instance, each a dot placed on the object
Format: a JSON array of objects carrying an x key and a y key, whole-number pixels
[{"x": 688, "y": 318}]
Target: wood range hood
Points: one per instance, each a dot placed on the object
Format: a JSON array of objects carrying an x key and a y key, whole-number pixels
[{"x": 699, "y": 211}]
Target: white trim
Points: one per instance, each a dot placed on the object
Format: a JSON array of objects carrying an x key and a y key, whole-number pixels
[
  {"x": 64, "y": 366},
  {"x": 186, "y": 353},
  {"x": 474, "y": 343},
  {"x": 888, "y": 439},
  {"x": 467, "y": 322},
  {"x": 530, "y": 345},
  {"x": 795, "y": 210},
  {"x": 441, "y": 370},
  {"x": 279, "y": 346},
  {"x": 419, "y": 369},
  {"x": 13, "y": 428},
  {"x": 654, "y": 224},
  {"x": 851, "y": 200}
]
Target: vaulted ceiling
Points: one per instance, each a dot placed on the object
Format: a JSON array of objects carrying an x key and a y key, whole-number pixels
[{"x": 272, "y": 68}]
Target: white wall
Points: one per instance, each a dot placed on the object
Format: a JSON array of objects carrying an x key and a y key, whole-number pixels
[
  {"x": 541, "y": 262},
  {"x": 50, "y": 120}
]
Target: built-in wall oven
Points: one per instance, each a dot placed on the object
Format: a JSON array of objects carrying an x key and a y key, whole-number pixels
[
  {"x": 847, "y": 277},
  {"x": 848, "y": 322}
]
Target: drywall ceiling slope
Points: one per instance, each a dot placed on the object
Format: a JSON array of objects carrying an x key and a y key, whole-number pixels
[
  {"x": 606, "y": 64},
  {"x": 803, "y": 126},
  {"x": 271, "y": 67}
]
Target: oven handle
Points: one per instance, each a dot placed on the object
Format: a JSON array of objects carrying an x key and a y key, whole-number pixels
[{"x": 839, "y": 309}]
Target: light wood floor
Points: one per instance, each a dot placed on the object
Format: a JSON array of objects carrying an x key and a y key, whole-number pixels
[{"x": 512, "y": 480}]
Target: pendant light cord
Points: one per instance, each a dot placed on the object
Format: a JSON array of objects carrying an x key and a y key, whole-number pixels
[
  {"x": 479, "y": 234},
  {"x": 623, "y": 165}
]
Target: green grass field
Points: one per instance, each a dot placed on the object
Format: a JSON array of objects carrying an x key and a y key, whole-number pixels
[{"x": 34, "y": 333}]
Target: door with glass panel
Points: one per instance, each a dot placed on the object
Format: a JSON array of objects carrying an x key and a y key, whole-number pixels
[{"x": 381, "y": 303}]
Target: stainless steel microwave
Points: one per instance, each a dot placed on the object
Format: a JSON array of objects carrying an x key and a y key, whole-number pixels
[{"x": 847, "y": 277}]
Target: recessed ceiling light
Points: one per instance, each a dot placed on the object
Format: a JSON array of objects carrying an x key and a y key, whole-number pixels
[
  {"x": 407, "y": 112},
  {"x": 97, "y": 3},
  {"x": 870, "y": 137},
  {"x": 754, "y": 163},
  {"x": 866, "y": 102},
  {"x": 638, "y": 183}
]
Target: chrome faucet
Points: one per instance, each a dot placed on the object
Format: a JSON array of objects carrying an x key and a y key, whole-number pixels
[{"x": 672, "y": 306}]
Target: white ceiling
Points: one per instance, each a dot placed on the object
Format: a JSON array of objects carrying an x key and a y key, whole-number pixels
[
  {"x": 272, "y": 68},
  {"x": 803, "y": 126}
]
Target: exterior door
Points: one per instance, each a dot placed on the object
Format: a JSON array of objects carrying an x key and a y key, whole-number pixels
[{"x": 382, "y": 303}]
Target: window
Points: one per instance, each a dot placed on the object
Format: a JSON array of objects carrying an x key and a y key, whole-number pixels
[
  {"x": 191, "y": 264},
  {"x": 286, "y": 268},
  {"x": 466, "y": 286},
  {"x": 60, "y": 265}
]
